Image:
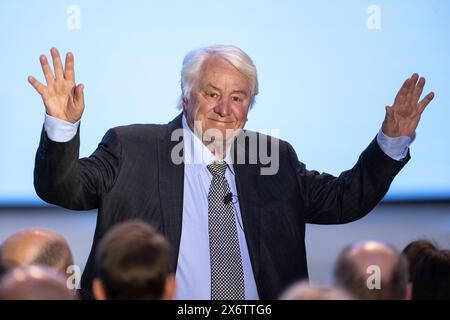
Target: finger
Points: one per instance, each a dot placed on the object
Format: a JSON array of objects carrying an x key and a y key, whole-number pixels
[
  {"x": 57, "y": 64},
  {"x": 46, "y": 69},
  {"x": 402, "y": 93},
  {"x": 389, "y": 112},
  {"x": 40, "y": 88},
  {"x": 79, "y": 95},
  {"x": 425, "y": 101},
  {"x": 418, "y": 91},
  {"x": 69, "y": 69},
  {"x": 413, "y": 83},
  {"x": 414, "y": 78}
]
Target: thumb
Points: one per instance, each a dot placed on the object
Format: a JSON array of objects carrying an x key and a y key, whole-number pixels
[
  {"x": 79, "y": 95},
  {"x": 389, "y": 112}
]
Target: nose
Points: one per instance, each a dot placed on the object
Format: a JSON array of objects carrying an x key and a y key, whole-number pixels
[{"x": 223, "y": 108}]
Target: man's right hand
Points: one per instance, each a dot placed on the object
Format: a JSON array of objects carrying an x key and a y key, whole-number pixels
[{"x": 63, "y": 99}]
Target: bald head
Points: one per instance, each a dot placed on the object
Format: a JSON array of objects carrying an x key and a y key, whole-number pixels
[
  {"x": 372, "y": 270},
  {"x": 36, "y": 246},
  {"x": 366, "y": 254},
  {"x": 35, "y": 283}
]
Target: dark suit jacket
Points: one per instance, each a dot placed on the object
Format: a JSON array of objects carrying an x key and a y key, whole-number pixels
[{"x": 131, "y": 175}]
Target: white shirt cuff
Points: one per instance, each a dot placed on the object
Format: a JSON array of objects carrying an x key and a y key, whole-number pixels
[
  {"x": 60, "y": 130},
  {"x": 397, "y": 147}
]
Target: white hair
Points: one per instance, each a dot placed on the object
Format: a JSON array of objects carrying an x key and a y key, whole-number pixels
[{"x": 193, "y": 61}]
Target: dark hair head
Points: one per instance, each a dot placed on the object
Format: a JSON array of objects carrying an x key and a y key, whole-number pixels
[
  {"x": 432, "y": 276},
  {"x": 414, "y": 252},
  {"x": 133, "y": 262}
]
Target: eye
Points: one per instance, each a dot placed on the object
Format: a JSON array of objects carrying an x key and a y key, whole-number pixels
[
  {"x": 213, "y": 95},
  {"x": 236, "y": 99}
]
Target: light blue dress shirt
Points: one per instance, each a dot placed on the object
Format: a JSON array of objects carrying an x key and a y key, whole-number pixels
[{"x": 193, "y": 272}]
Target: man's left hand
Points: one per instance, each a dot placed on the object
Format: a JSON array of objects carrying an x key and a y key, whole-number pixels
[{"x": 403, "y": 116}]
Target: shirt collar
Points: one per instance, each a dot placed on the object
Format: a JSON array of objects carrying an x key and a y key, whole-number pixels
[{"x": 195, "y": 152}]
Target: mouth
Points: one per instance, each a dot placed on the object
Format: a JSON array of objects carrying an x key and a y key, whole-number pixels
[{"x": 221, "y": 121}]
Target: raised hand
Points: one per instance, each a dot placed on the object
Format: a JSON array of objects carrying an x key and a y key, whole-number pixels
[
  {"x": 63, "y": 99},
  {"x": 402, "y": 118}
]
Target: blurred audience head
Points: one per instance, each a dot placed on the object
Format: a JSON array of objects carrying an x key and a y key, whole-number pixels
[
  {"x": 35, "y": 283},
  {"x": 305, "y": 291},
  {"x": 414, "y": 252},
  {"x": 431, "y": 279},
  {"x": 373, "y": 271},
  {"x": 133, "y": 263},
  {"x": 2, "y": 268},
  {"x": 36, "y": 246}
]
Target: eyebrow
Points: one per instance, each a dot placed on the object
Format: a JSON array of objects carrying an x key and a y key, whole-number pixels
[{"x": 235, "y": 91}]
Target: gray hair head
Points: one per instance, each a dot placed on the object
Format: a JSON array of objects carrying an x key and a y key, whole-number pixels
[{"x": 193, "y": 61}]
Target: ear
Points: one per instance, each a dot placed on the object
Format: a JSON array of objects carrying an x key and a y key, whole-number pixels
[
  {"x": 98, "y": 290},
  {"x": 171, "y": 285},
  {"x": 408, "y": 291}
]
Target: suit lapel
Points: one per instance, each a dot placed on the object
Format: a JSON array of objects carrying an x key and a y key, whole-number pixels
[
  {"x": 246, "y": 184},
  {"x": 171, "y": 185}
]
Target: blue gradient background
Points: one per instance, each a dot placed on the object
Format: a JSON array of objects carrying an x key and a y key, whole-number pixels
[{"x": 324, "y": 76}]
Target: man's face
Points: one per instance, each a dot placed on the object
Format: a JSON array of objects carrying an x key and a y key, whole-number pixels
[{"x": 219, "y": 100}]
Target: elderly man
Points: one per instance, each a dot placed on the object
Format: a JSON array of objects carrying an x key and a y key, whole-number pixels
[
  {"x": 236, "y": 233},
  {"x": 36, "y": 246}
]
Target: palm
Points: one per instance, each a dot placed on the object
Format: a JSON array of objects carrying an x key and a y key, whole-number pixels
[
  {"x": 403, "y": 117},
  {"x": 59, "y": 100},
  {"x": 62, "y": 98}
]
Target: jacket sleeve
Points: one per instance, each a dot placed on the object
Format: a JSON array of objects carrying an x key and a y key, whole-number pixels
[
  {"x": 61, "y": 178},
  {"x": 334, "y": 200}
]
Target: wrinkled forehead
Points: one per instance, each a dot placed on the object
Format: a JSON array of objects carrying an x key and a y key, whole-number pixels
[{"x": 218, "y": 71}]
